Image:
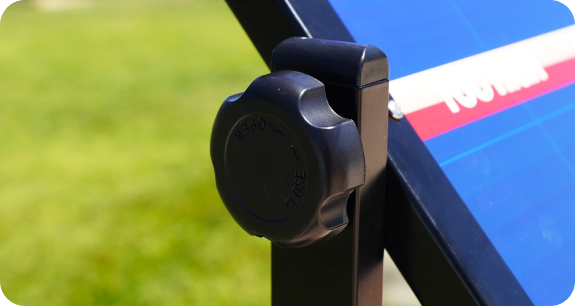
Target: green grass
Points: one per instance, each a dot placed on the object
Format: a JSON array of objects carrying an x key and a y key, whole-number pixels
[{"x": 107, "y": 194}]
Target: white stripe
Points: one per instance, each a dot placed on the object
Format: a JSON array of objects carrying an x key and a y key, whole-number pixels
[{"x": 517, "y": 63}]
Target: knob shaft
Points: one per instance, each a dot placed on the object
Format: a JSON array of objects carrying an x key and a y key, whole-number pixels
[{"x": 285, "y": 162}]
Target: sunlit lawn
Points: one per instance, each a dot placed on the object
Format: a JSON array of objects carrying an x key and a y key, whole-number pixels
[{"x": 106, "y": 187}]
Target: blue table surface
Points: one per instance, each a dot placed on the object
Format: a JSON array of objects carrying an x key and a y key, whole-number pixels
[{"x": 515, "y": 170}]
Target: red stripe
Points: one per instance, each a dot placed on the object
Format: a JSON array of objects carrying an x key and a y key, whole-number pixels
[{"x": 438, "y": 119}]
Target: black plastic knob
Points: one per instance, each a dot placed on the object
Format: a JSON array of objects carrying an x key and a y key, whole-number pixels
[{"x": 285, "y": 162}]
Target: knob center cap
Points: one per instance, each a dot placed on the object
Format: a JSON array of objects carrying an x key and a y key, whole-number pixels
[{"x": 270, "y": 171}]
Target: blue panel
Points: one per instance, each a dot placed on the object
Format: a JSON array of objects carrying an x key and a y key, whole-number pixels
[
  {"x": 515, "y": 170},
  {"x": 417, "y": 35}
]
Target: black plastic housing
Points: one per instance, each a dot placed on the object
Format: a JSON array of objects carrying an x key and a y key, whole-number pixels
[
  {"x": 347, "y": 269},
  {"x": 331, "y": 61}
]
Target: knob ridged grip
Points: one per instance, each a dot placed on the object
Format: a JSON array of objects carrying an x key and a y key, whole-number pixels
[{"x": 285, "y": 162}]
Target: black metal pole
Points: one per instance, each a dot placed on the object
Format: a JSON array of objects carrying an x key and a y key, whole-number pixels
[{"x": 347, "y": 269}]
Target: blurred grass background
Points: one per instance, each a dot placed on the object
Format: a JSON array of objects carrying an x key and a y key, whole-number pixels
[
  {"x": 107, "y": 194},
  {"x": 106, "y": 187}
]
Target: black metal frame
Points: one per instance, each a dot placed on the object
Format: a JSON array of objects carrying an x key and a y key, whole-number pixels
[{"x": 431, "y": 235}]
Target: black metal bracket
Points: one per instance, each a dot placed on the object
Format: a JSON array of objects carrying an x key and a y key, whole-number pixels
[{"x": 348, "y": 268}]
